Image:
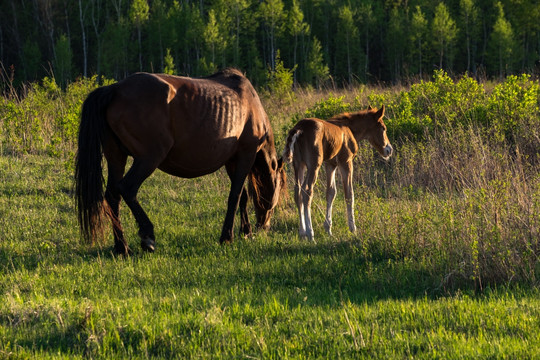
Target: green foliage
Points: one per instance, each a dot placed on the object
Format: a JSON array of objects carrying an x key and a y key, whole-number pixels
[
  {"x": 362, "y": 41},
  {"x": 46, "y": 118},
  {"x": 502, "y": 44},
  {"x": 325, "y": 109},
  {"x": 280, "y": 81},
  {"x": 513, "y": 109},
  {"x": 139, "y": 12},
  {"x": 169, "y": 64},
  {"x": 444, "y": 31},
  {"x": 317, "y": 71},
  {"x": 63, "y": 61}
]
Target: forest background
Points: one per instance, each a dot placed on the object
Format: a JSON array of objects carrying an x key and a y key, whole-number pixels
[{"x": 336, "y": 42}]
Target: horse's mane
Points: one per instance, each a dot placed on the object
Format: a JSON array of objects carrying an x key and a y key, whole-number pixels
[
  {"x": 226, "y": 73},
  {"x": 230, "y": 77},
  {"x": 255, "y": 185}
]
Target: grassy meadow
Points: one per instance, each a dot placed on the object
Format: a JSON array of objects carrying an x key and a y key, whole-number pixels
[{"x": 444, "y": 263}]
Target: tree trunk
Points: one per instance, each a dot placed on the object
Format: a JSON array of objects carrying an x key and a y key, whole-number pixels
[{"x": 83, "y": 32}]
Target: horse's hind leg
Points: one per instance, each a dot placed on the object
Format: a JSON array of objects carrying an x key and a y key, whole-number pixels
[
  {"x": 330, "y": 195},
  {"x": 346, "y": 175},
  {"x": 112, "y": 195},
  {"x": 129, "y": 186},
  {"x": 116, "y": 163}
]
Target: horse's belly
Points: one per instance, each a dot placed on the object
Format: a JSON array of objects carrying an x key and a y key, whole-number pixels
[
  {"x": 194, "y": 163},
  {"x": 184, "y": 172}
]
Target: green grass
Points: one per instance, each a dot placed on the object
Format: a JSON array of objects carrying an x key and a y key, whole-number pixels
[{"x": 390, "y": 291}]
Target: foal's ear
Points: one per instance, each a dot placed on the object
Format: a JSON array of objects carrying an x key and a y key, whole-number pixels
[
  {"x": 280, "y": 163},
  {"x": 380, "y": 113},
  {"x": 369, "y": 107}
]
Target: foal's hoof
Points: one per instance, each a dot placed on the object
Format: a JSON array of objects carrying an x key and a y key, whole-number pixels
[{"x": 148, "y": 244}]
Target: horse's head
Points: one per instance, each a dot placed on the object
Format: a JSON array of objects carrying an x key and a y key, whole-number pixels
[
  {"x": 266, "y": 180},
  {"x": 374, "y": 130}
]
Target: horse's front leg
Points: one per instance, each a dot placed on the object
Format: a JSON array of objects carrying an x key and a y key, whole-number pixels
[
  {"x": 238, "y": 173},
  {"x": 347, "y": 176},
  {"x": 245, "y": 226},
  {"x": 330, "y": 195}
]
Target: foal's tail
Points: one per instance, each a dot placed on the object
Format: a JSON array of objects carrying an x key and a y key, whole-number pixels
[
  {"x": 88, "y": 168},
  {"x": 289, "y": 145}
]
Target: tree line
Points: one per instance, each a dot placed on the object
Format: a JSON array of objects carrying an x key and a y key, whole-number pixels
[{"x": 338, "y": 41}]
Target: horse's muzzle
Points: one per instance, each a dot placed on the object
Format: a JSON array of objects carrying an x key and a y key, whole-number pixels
[{"x": 388, "y": 151}]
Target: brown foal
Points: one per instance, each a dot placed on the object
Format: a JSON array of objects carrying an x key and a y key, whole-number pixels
[{"x": 312, "y": 142}]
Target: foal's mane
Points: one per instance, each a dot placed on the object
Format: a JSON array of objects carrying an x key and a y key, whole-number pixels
[{"x": 348, "y": 115}]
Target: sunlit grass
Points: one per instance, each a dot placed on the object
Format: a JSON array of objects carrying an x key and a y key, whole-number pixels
[{"x": 270, "y": 296}]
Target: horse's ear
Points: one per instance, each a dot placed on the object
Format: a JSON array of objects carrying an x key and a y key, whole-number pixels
[
  {"x": 369, "y": 107},
  {"x": 280, "y": 163},
  {"x": 380, "y": 113}
]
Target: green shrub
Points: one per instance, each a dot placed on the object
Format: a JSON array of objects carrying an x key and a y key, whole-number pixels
[
  {"x": 46, "y": 118},
  {"x": 280, "y": 82},
  {"x": 512, "y": 112}
]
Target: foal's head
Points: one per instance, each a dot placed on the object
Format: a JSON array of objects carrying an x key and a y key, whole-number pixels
[
  {"x": 369, "y": 125},
  {"x": 266, "y": 181}
]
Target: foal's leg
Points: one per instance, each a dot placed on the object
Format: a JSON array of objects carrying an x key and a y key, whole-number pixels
[
  {"x": 299, "y": 174},
  {"x": 129, "y": 186},
  {"x": 307, "y": 189},
  {"x": 330, "y": 195},
  {"x": 347, "y": 175}
]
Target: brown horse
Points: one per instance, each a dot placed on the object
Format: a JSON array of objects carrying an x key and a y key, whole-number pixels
[
  {"x": 186, "y": 127},
  {"x": 312, "y": 142}
]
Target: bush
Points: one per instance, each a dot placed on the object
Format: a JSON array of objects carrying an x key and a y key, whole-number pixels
[{"x": 45, "y": 119}]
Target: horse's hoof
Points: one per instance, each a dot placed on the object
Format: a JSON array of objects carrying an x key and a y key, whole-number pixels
[
  {"x": 122, "y": 251},
  {"x": 148, "y": 244},
  {"x": 246, "y": 232}
]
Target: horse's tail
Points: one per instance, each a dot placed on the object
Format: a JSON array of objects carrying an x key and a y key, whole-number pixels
[
  {"x": 89, "y": 179},
  {"x": 289, "y": 145}
]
